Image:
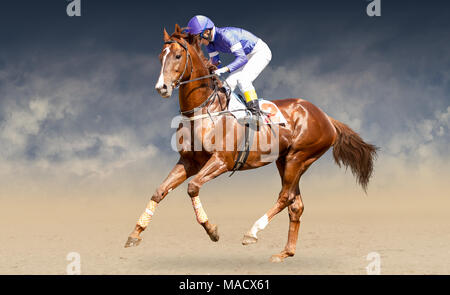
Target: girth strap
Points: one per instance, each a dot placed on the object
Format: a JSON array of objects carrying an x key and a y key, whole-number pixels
[{"x": 245, "y": 150}]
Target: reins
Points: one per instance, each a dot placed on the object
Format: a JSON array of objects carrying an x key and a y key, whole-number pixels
[
  {"x": 249, "y": 132},
  {"x": 176, "y": 84},
  {"x": 196, "y": 79},
  {"x": 208, "y": 101}
]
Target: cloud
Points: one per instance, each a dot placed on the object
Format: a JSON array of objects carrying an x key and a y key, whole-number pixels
[
  {"x": 406, "y": 114},
  {"x": 23, "y": 123},
  {"x": 94, "y": 116},
  {"x": 83, "y": 115}
]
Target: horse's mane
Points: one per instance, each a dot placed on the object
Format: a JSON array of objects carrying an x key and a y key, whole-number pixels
[{"x": 195, "y": 42}]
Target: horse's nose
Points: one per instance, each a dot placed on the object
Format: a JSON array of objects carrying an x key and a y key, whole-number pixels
[
  {"x": 164, "y": 90},
  {"x": 161, "y": 86}
]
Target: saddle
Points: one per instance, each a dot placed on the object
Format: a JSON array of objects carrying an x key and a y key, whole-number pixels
[{"x": 270, "y": 113}]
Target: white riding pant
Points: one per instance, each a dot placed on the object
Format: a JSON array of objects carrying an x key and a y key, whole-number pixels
[{"x": 258, "y": 59}]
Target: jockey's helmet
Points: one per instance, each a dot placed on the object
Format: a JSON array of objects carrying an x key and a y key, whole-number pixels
[{"x": 198, "y": 24}]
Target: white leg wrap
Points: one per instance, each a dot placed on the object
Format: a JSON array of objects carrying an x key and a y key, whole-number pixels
[
  {"x": 260, "y": 224},
  {"x": 199, "y": 212},
  {"x": 145, "y": 218}
]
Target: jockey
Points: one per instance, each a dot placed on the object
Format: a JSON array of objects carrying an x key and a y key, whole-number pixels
[{"x": 251, "y": 55}]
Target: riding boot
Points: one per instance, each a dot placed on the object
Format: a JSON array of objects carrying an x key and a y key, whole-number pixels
[
  {"x": 252, "y": 101},
  {"x": 253, "y": 105}
]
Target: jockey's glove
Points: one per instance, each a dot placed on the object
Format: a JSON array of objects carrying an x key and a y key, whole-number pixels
[{"x": 221, "y": 71}]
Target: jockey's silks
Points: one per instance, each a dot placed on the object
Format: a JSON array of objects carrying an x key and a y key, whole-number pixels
[{"x": 231, "y": 40}]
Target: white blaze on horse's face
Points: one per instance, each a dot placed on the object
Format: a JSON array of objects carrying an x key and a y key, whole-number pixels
[{"x": 162, "y": 87}]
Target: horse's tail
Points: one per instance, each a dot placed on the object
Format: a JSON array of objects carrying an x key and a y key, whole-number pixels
[{"x": 351, "y": 150}]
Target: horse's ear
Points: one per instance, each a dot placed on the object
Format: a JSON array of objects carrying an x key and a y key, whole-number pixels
[
  {"x": 177, "y": 28},
  {"x": 166, "y": 36}
]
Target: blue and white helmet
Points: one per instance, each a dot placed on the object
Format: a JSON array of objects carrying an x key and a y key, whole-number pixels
[{"x": 198, "y": 24}]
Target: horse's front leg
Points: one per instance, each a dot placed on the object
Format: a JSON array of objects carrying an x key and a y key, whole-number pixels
[
  {"x": 182, "y": 170},
  {"x": 213, "y": 168}
]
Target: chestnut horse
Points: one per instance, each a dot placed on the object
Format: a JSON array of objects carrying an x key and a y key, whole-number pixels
[{"x": 306, "y": 136}]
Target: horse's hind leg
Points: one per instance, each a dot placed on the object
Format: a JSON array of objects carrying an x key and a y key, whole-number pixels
[
  {"x": 289, "y": 172},
  {"x": 295, "y": 212},
  {"x": 291, "y": 169},
  {"x": 295, "y": 205}
]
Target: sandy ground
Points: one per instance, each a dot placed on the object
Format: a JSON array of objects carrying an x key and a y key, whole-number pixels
[{"x": 411, "y": 235}]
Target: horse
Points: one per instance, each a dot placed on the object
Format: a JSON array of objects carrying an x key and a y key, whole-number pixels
[{"x": 307, "y": 134}]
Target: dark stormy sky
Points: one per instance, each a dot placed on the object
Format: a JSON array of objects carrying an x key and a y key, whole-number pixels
[{"x": 77, "y": 98}]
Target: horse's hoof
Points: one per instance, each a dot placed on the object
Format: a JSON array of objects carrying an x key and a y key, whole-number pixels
[
  {"x": 247, "y": 240},
  {"x": 133, "y": 242},
  {"x": 214, "y": 235},
  {"x": 277, "y": 258}
]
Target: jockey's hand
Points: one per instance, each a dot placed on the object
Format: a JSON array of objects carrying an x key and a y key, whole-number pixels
[{"x": 221, "y": 71}]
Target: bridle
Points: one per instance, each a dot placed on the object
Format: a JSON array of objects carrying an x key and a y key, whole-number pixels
[
  {"x": 244, "y": 151},
  {"x": 176, "y": 84}
]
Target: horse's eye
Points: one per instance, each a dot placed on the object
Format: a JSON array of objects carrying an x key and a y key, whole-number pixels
[{"x": 178, "y": 56}]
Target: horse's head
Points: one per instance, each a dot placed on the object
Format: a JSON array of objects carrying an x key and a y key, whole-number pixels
[{"x": 176, "y": 62}]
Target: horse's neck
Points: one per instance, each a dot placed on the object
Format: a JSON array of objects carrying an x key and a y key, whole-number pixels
[{"x": 193, "y": 94}]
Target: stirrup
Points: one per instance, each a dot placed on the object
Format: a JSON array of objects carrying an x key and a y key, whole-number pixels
[{"x": 254, "y": 121}]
